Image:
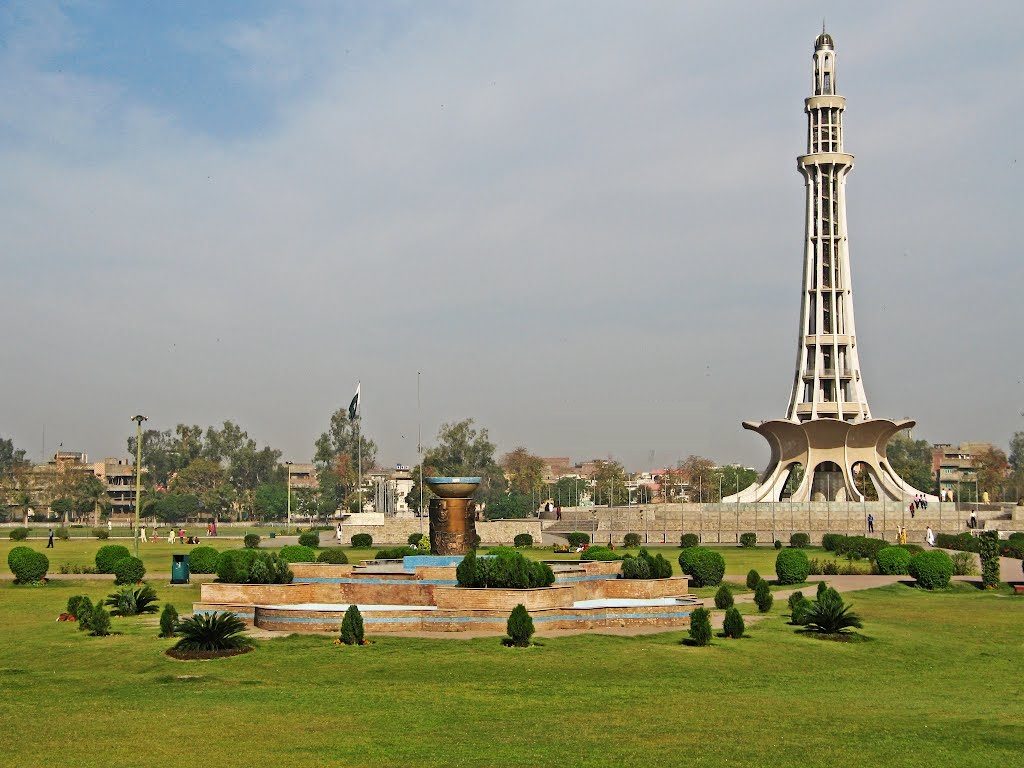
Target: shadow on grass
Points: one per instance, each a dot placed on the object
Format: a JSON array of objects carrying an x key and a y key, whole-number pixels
[{"x": 835, "y": 637}]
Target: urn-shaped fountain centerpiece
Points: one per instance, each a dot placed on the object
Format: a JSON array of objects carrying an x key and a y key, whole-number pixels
[{"x": 452, "y": 514}]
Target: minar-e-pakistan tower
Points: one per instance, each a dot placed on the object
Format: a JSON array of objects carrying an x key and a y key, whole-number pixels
[{"x": 828, "y": 428}]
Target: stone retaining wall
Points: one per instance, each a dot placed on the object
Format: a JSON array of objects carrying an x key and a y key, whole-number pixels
[{"x": 396, "y": 531}]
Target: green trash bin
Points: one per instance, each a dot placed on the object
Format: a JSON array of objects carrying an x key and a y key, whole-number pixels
[{"x": 179, "y": 569}]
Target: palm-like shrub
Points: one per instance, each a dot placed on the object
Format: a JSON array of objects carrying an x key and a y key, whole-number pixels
[
  {"x": 733, "y": 625},
  {"x": 723, "y": 598},
  {"x": 519, "y": 627},
  {"x": 753, "y": 579},
  {"x": 700, "y": 626},
  {"x": 211, "y": 633},
  {"x": 763, "y": 596},
  {"x": 132, "y": 601},
  {"x": 168, "y": 621},
  {"x": 352, "y": 632},
  {"x": 830, "y": 615},
  {"x": 631, "y": 540},
  {"x": 129, "y": 570}
]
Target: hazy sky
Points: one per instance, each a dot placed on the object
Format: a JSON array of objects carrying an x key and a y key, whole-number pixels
[{"x": 581, "y": 221}]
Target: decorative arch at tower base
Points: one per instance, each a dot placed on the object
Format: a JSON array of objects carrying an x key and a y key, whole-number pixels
[{"x": 827, "y": 451}]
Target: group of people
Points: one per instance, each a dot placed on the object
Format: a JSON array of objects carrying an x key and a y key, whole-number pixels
[
  {"x": 901, "y": 535},
  {"x": 918, "y": 502}
]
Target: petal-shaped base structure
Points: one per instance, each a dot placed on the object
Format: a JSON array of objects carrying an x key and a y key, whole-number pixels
[{"x": 828, "y": 449}]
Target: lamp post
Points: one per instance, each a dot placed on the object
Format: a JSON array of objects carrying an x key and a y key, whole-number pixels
[
  {"x": 288, "y": 466},
  {"x": 138, "y": 419}
]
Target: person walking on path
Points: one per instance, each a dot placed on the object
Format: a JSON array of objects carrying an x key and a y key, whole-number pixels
[
  {"x": 871, "y": 523},
  {"x": 49, "y": 541},
  {"x": 170, "y": 535},
  {"x": 337, "y": 533},
  {"x": 929, "y": 536},
  {"x": 911, "y": 510},
  {"x": 901, "y": 535},
  {"x": 142, "y": 534},
  {"x": 110, "y": 525}
]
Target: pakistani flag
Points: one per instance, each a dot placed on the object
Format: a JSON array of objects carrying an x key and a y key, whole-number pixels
[{"x": 353, "y": 407}]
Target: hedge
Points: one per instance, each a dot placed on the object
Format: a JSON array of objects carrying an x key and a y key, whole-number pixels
[
  {"x": 28, "y": 565},
  {"x": 108, "y": 555},
  {"x": 252, "y": 566},
  {"x": 598, "y": 553},
  {"x": 799, "y": 540},
  {"x": 892, "y": 561},
  {"x": 332, "y": 555},
  {"x": 18, "y": 534},
  {"x": 296, "y": 553},
  {"x": 646, "y": 566},
  {"x": 362, "y": 540},
  {"x": 507, "y": 569},
  {"x": 101, "y": 533},
  {"x": 309, "y": 539},
  {"x": 688, "y": 540},
  {"x": 932, "y": 569},
  {"x": 859, "y": 546},
  {"x": 203, "y": 560},
  {"x": 62, "y": 533},
  {"x": 792, "y": 566},
  {"x": 829, "y": 541},
  {"x": 704, "y": 566},
  {"x": 577, "y": 539}
]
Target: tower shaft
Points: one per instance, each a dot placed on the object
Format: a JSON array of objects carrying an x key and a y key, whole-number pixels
[{"x": 828, "y": 381}]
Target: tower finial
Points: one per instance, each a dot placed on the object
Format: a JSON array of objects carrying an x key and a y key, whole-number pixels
[{"x": 823, "y": 25}]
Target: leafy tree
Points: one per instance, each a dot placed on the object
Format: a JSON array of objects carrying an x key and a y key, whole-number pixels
[
  {"x": 523, "y": 470},
  {"x": 202, "y": 478},
  {"x": 512, "y": 505},
  {"x": 610, "y": 483},
  {"x": 90, "y": 495},
  {"x": 912, "y": 460},
  {"x": 699, "y": 473},
  {"x": 175, "y": 507},
  {"x": 734, "y": 477},
  {"x": 10, "y": 457},
  {"x": 567, "y": 491},
  {"x": 63, "y": 507},
  {"x": 338, "y": 451},
  {"x": 1016, "y": 452},
  {"x": 463, "y": 450},
  {"x": 992, "y": 468},
  {"x": 272, "y": 501}
]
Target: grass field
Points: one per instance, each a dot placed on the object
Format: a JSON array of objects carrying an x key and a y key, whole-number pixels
[
  {"x": 938, "y": 683},
  {"x": 157, "y": 555}
]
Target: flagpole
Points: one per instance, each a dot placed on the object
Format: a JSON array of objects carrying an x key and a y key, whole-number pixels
[
  {"x": 419, "y": 446},
  {"x": 359, "y": 446}
]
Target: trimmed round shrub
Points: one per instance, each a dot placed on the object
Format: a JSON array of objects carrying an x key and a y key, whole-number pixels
[
  {"x": 635, "y": 568},
  {"x": 799, "y": 540},
  {"x": 733, "y": 626},
  {"x": 108, "y": 555},
  {"x": 362, "y": 540},
  {"x": 688, "y": 540},
  {"x": 704, "y": 566},
  {"x": 519, "y": 627},
  {"x": 723, "y": 598},
  {"x": 352, "y": 632},
  {"x": 932, "y": 569},
  {"x": 523, "y": 540},
  {"x": 830, "y": 540},
  {"x": 799, "y": 610},
  {"x": 309, "y": 539},
  {"x": 700, "y": 627},
  {"x": 203, "y": 560},
  {"x": 28, "y": 565},
  {"x": 99, "y": 621},
  {"x": 892, "y": 561},
  {"x": 18, "y": 534},
  {"x": 631, "y": 540},
  {"x": 62, "y": 533},
  {"x": 913, "y": 549},
  {"x": 860, "y": 546},
  {"x": 763, "y": 596},
  {"x": 792, "y": 566},
  {"x": 577, "y": 539},
  {"x": 748, "y": 539},
  {"x": 778, "y": 544},
  {"x": 753, "y": 578},
  {"x": 794, "y": 599},
  {"x": 101, "y": 533},
  {"x": 129, "y": 570},
  {"x": 297, "y": 553},
  {"x": 251, "y": 540},
  {"x": 598, "y": 553},
  {"x": 332, "y": 555}
]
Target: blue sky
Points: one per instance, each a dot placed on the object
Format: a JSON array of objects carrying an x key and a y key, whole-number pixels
[{"x": 238, "y": 210}]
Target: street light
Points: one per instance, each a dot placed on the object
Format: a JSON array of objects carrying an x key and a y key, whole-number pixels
[
  {"x": 288, "y": 464},
  {"x": 138, "y": 419}
]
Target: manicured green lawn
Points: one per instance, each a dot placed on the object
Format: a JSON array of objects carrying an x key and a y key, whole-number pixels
[{"x": 937, "y": 684}]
